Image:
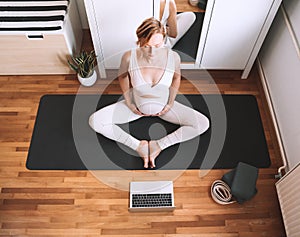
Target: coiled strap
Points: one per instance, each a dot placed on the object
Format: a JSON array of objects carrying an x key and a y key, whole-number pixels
[{"x": 221, "y": 193}]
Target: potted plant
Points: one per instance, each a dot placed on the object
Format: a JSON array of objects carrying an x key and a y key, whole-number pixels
[{"x": 84, "y": 65}]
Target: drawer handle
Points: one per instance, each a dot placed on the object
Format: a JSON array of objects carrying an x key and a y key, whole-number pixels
[{"x": 35, "y": 37}]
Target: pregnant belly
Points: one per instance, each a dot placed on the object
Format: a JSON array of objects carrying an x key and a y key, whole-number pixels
[{"x": 150, "y": 106}]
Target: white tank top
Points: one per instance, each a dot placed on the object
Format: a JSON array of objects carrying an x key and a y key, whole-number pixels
[{"x": 151, "y": 99}]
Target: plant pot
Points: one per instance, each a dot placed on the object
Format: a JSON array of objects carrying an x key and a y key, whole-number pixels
[{"x": 88, "y": 81}]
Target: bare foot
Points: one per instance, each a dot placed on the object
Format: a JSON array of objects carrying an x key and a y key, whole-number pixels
[
  {"x": 143, "y": 151},
  {"x": 154, "y": 152}
]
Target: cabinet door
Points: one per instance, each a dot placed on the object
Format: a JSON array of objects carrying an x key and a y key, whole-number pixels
[
  {"x": 23, "y": 56},
  {"x": 113, "y": 25},
  {"x": 233, "y": 30}
]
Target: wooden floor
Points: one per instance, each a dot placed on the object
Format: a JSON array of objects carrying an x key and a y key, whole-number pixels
[{"x": 84, "y": 203}]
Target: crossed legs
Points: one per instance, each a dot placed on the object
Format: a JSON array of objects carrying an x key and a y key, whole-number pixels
[{"x": 192, "y": 123}]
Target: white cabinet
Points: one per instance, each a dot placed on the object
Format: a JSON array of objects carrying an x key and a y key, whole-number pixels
[
  {"x": 38, "y": 46},
  {"x": 113, "y": 25},
  {"x": 234, "y": 33},
  {"x": 231, "y": 36}
]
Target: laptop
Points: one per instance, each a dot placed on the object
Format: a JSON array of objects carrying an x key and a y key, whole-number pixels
[{"x": 151, "y": 196}]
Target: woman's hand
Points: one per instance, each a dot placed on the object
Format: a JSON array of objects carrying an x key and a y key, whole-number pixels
[
  {"x": 134, "y": 109},
  {"x": 165, "y": 110}
]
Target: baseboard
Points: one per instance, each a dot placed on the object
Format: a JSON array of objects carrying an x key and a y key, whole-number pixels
[{"x": 273, "y": 117}]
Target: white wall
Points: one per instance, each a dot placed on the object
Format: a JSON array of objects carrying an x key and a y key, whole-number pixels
[{"x": 280, "y": 63}]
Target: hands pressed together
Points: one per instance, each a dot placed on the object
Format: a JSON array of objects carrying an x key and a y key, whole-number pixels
[{"x": 135, "y": 110}]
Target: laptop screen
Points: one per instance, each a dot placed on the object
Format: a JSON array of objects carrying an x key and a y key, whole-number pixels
[{"x": 151, "y": 195}]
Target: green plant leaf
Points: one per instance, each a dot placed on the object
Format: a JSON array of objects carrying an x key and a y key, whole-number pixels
[{"x": 83, "y": 63}]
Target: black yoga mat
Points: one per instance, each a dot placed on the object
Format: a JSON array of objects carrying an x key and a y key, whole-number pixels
[{"x": 63, "y": 140}]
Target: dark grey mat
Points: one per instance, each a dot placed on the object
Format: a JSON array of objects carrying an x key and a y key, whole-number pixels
[{"x": 63, "y": 140}]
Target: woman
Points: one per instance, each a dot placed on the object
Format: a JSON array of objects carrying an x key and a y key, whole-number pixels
[
  {"x": 149, "y": 78},
  {"x": 176, "y": 24}
]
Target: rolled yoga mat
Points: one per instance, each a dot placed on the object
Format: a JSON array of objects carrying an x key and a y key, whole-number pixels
[{"x": 63, "y": 140}]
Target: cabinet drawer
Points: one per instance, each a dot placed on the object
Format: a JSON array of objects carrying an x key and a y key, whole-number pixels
[{"x": 21, "y": 55}]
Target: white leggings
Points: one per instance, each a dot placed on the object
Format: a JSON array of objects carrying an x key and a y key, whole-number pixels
[
  {"x": 105, "y": 120},
  {"x": 184, "y": 22}
]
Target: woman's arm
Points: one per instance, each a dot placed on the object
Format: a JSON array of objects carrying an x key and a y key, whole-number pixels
[
  {"x": 173, "y": 90},
  {"x": 172, "y": 22},
  {"x": 176, "y": 80},
  {"x": 124, "y": 82}
]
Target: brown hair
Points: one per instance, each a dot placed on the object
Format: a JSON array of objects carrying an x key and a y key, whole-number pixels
[{"x": 148, "y": 28}]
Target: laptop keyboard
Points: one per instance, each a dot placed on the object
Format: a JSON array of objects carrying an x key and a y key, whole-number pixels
[{"x": 152, "y": 200}]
